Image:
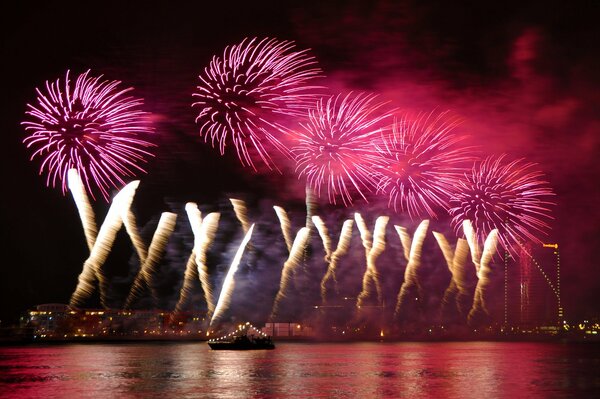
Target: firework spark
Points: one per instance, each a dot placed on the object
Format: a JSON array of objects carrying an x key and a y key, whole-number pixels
[
  {"x": 484, "y": 271},
  {"x": 419, "y": 163},
  {"x": 92, "y": 267},
  {"x": 335, "y": 150},
  {"x": 146, "y": 276},
  {"x": 412, "y": 253},
  {"x": 332, "y": 257},
  {"x": 92, "y": 127},
  {"x": 456, "y": 260},
  {"x": 241, "y": 213},
  {"x": 189, "y": 276},
  {"x": 229, "y": 282},
  {"x": 510, "y": 197},
  {"x": 84, "y": 207},
  {"x": 204, "y": 234},
  {"x": 289, "y": 268},
  {"x": 286, "y": 226},
  {"x": 374, "y": 245},
  {"x": 244, "y": 94}
]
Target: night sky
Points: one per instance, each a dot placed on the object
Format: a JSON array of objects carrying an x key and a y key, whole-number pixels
[{"x": 523, "y": 75}]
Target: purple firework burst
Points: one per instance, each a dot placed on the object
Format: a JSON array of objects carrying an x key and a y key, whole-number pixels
[
  {"x": 511, "y": 197},
  {"x": 246, "y": 95},
  {"x": 92, "y": 126},
  {"x": 419, "y": 163},
  {"x": 335, "y": 150}
]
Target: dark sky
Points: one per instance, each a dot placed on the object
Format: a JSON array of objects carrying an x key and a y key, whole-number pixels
[{"x": 524, "y": 75}]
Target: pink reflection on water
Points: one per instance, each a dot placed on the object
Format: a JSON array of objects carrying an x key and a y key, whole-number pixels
[{"x": 358, "y": 370}]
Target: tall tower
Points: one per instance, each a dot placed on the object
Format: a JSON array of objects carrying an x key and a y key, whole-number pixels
[
  {"x": 556, "y": 253},
  {"x": 525, "y": 312}
]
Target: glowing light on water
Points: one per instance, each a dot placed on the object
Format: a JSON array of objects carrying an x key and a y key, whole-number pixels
[
  {"x": 245, "y": 95},
  {"x": 412, "y": 253},
  {"x": 332, "y": 257},
  {"x": 229, "y": 281},
  {"x": 374, "y": 245},
  {"x": 92, "y": 126}
]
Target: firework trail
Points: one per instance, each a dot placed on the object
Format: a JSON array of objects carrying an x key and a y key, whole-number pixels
[
  {"x": 456, "y": 260},
  {"x": 311, "y": 207},
  {"x": 92, "y": 127},
  {"x": 84, "y": 207},
  {"x": 146, "y": 276},
  {"x": 286, "y": 226},
  {"x": 471, "y": 237},
  {"x": 374, "y": 245},
  {"x": 419, "y": 163},
  {"x": 483, "y": 273},
  {"x": 92, "y": 267},
  {"x": 244, "y": 93},
  {"x": 204, "y": 233},
  {"x": 334, "y": 149},
  {"x": 332, "y": 257},
  {"x": 241, "y": 213},
  {"x": 190, "y": 275},
  {"x": 412, "y": 253},
  {"x": 510, "y": 197},
  {"x": 289, "y": 267},
  {"x": 229, "y": 282}
]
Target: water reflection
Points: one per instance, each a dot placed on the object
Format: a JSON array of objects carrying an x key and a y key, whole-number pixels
[{"x": 402, "y": 370}]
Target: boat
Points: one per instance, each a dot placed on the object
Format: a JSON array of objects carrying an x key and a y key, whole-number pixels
[{"x": 241, "y": 340}]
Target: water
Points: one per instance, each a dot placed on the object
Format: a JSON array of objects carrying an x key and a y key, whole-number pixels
[{"x": 356, "y": 370}]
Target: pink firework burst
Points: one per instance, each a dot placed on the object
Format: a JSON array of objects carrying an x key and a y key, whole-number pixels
[
  {"x": 92, "y": 126},
  {"x": 511, "y": 197},
  {"x": 246, "y": 95},
  {"x": 334, "y": 148},
  {"x": 419, "y": 163}
]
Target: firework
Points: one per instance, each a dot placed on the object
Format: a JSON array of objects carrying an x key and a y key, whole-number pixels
[
  {"x": 244, "y": 95},
  {"x": 419, "y": 163},
  {"x": 412, "y": 254},
  {"x": 92, "y": 126},
  {"x": 334, "y": 149},
  {"x": 289, "y": 269},
  {"x": 191, "y": 273},
  {"x": 241, "y": 213},
  {"x": 189, "y": 276},
  {"x": 86, "y": 213},
  {"x": 229, "y": 282},
  {"x": 456, "y": 260},
  {"x": 92, "y": 267},
  {"x": 484, "y": 271},
  {"x": 147, "y": 273},
  {"x": 285, "y": 224},
  {"x": 332, "y": 257},
  {"x": 374, "y": 245},
  {"x": 204, "y": 237},
  {"x": 510, "y": 197}
]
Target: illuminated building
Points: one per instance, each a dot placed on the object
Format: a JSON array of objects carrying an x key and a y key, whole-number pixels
[{"x": 538, "y": 289}]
